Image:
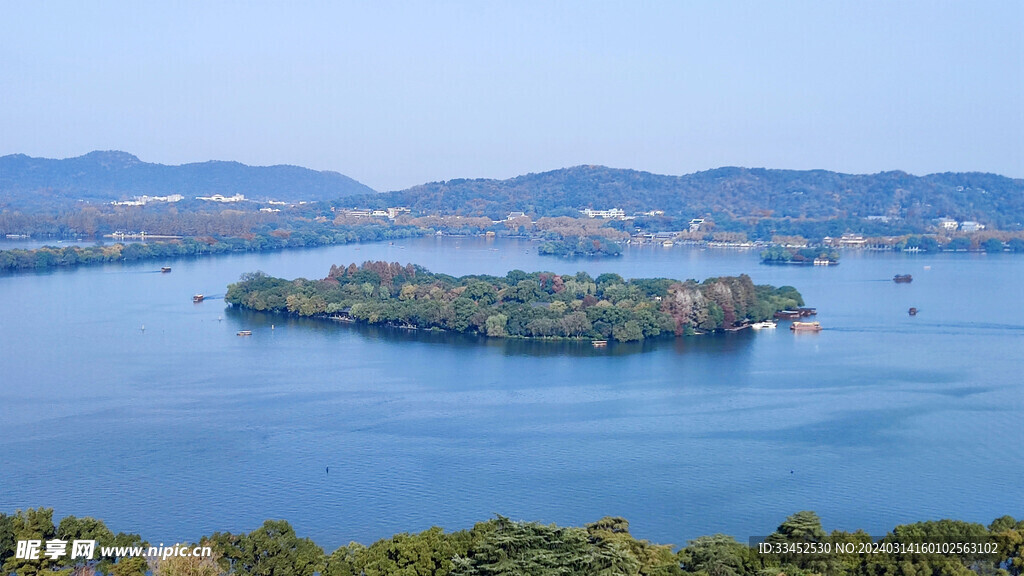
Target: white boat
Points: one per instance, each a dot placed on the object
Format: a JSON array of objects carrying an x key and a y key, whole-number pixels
[{"x": 763, "y": 325}]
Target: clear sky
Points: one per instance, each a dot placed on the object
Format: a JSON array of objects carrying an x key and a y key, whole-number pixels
[{"x": 399, "y": 93}]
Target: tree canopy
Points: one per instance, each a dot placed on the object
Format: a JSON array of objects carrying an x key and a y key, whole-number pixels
[{"x": 519, "y": 304}]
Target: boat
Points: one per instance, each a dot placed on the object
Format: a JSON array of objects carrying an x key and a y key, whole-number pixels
[
  {"x": 244, "y": 333},
  {"x": 165, "y": 269},
  {"x": 598, "y": 343},
  {"x": 805, "y": 311},
  {"x": 668, "y": 243},
  {"x": 787, "y": 314},
  {"x": 766, "y": 325},
  {"x": 197, "y": 298},
  {"x": 912, "y": 311},
  {"x": 902, "y": 278},
  {"x": 805, "y": 326}
]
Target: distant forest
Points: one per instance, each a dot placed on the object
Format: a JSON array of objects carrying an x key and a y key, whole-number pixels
[
  {"x": 729, "y": 194},
  {"x": 799, "y": 546}
]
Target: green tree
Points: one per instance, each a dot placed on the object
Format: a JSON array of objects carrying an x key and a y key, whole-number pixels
[
  {"x": 959, "y": 244},
  {"x": 33, "y": 524},
  {"x": 628, "y": 331},
  {"x": 802, "y": 527},
  {"x": 993, "y": 246},
  {"x": 425, "y": 554},
  {"x": 134, "y": 566},
  {"x": 274, "y": 550},
  {"x": 72, "y": 528},
  {"x": 481, "y": 292},
  {"x": 574, "y": 325},
  {"x": 1008, "y": 534},
  {"x": 717, "y": 555},
  {"x": 506, "y": 548},
  {"x": 346, "y": 561},
  {"x": 496, "y": 325},
  {"x": 7, "y": 540}
]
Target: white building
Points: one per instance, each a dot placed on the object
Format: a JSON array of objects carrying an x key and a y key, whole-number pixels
[
  {"x": 614, "y": 213},
  {"x": 143, "y": 200}
]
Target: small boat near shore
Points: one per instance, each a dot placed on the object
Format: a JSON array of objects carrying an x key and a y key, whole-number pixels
[
  {"x": 805, "y": 326},
  {"x": 766, "y": 325},
  {"x": 165, "y": 269},
  {"x": 599, "y": 343}
]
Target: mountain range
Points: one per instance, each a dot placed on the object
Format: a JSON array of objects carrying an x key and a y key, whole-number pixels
[
  {"x": 724, "y": 193},
  {"x": 114, "y": 175},
  {"x": 729, "y": 193}
]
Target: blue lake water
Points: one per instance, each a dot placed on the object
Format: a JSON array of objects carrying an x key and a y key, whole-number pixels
[{"x": 183, "y": 428}]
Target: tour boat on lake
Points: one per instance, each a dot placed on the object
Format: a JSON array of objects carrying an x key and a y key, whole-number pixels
[{"x": 805, "y": 326}]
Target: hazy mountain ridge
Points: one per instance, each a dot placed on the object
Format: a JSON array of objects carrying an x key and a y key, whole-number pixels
[
  {"x": 730, "y": 191},
  {"x": 116, "y": 175},
  {"x": 723, "y": 193}
]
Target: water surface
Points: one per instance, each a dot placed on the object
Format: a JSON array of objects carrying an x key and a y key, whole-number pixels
[{"x": 182, "y": 428}]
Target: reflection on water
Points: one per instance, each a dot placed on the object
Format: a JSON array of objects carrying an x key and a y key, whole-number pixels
[{"x": 727, "y": 344}]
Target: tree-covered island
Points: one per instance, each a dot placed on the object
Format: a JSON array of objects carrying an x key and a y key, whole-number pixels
[
  {"x": 786, "y": 255},
  {"x": 588, "y": 246},
  {"x": 519, "y": 304}
]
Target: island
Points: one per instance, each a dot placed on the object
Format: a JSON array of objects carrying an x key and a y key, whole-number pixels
[
  {"x": 806, "y": 256},
  {"x": 586, "y": 246},
  {"x": 540, "y": 305}
]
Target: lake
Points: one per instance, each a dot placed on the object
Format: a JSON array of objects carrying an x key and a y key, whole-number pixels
[{"x": 123, "y": 400}]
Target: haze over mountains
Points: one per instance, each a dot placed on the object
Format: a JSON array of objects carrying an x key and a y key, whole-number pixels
[
  {"x": 115, "y": 175},
  {"x": 724, "y": 193}
]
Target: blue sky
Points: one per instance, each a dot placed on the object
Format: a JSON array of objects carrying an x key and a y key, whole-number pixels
[{"x": 399, "y": 93}]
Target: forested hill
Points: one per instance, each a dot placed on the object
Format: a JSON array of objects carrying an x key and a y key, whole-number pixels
[
  {"x": 113, "y": 175},
  {"x": 729, "y": 192}
]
